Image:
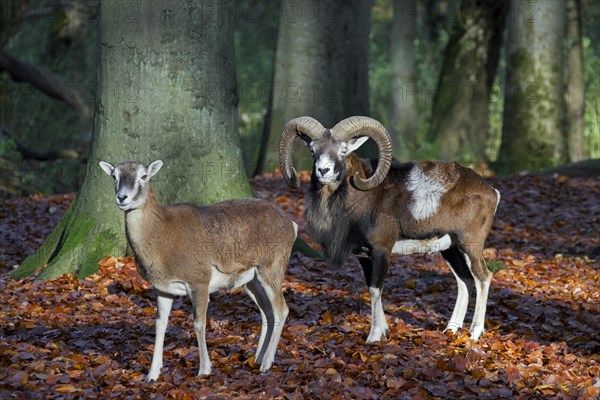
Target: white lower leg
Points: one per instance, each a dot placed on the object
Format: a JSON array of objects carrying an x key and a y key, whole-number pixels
[
  {"x": 162, "y": 319},
  {"x": 280, "y": 313},
  {"x": 200, "y": 328},
  {"x": 482, "y": 289},
  {"x": 460, "y": 308},
  {"x": 280, "y": 317},
  {"x": 379, "y": 327},
  {"x": 263, "y": 326},
  {"x": 200, "y": 299}
]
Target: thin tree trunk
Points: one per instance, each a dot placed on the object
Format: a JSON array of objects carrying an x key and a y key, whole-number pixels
[
  {"x": 460, "y": 124},
  {"x": 532, "y": 131},
  {"x": 321, "y": 66},
  {"x": 166, "y": 90},
  {"x": 575, "y": 83},
  {"x": 403, "y": 125}
]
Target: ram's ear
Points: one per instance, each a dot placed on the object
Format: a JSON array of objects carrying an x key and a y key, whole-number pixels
[
  {"x": 355, "y": 143},
  {"x": 305, "y": 139},
  {"x": 154, "y": 167},
  {"x": 107, "y": 167}
]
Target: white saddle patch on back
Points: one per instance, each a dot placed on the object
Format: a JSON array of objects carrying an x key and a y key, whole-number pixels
[
  {"x": 426, "y": 193},
  {"x": 422, "y": 246}
]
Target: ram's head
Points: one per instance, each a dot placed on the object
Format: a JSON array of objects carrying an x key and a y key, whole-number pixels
[{"x": 330, "y": 147}]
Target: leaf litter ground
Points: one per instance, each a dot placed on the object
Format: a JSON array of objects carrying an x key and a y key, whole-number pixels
[{"x": 93, "y": 338}]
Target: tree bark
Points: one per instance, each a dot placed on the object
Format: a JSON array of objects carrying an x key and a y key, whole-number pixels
[
  {"x": 166, "y": 90},
  {"x": 460, "y": 123},
  {"x": 404, "y": 83},
  {"x": 321, "y": 66},
  {"x": 575, "y": 83},
  {"x": 532, "y": 131}
]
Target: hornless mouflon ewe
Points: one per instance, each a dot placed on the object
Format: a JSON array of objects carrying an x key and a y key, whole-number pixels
[
  {"x": 193, "y": 250},
  {"x": 373, "y": 211}
]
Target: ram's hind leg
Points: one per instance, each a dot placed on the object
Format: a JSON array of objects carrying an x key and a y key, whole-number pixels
[
  {"x": 267, "y": 294},
  {"x": 483, "y": 278},
  {"x": 457, "y": 261}
]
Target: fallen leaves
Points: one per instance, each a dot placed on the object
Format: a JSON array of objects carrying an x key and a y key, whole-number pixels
[{"x": 93, "y": 338}]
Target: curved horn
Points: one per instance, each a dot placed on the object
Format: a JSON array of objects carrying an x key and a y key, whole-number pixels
[
  {"x": 306, "y": 126},
  {"x": 365, "y": 126}
]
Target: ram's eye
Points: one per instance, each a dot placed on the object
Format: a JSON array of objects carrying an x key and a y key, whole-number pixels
[{"x": 144, "y": 177}]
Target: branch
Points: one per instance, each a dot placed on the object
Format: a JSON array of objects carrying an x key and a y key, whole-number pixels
[
  {"x": 48, "y": 83},
  {"x": 28, "y": 153},
  {"x": 50, "y": 155}
]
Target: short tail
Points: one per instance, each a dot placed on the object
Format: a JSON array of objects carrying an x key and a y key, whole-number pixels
[{"x": 498, "y": 199}]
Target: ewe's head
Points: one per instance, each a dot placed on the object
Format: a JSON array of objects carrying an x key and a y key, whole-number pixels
[
  {"x": 330, "y": 147},
  {"x": 131, "y": 182}
]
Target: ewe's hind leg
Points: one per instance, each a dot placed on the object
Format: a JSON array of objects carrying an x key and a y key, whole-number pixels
[
  {"x": 163, "y": 309},
  {"x": 199, "y": 297},
  {"x": 257, "y": 293},
  {"x": 274, "y": 312},
  {"x": 456, "y": 260}
]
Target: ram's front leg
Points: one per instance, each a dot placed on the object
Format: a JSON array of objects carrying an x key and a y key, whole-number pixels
[{"x": 375, "y": 269}]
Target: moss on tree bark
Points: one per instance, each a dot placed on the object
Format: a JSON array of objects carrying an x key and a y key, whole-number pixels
[
  {"x": 321, "y": 67},
  {"x": 166, "y": 90},
  {"x": 460, "y": 124},
  {"x": 532, "y": 131}
]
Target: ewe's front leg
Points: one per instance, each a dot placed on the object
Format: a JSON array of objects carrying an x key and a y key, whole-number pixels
[
  {"x": 375, "y": 270},
  {"x": 199, "y": 297},
  {"x": 165, "y": 302}
]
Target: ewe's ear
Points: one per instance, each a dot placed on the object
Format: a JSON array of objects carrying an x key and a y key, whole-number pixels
[
  {"x": 355, "y": 143},
  {"x": 154, "y": 167},
  {"x": 107, "y": 167}
]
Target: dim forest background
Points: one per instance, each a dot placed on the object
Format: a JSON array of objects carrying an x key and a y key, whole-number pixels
[
  {"x": 505, "y": 86},
  {"x": 416, "y": 85}
]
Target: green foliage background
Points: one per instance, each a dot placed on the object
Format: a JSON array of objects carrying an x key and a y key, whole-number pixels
[{"x": 45, "y": 124}]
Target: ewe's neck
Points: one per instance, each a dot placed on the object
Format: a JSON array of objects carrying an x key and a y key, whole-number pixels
[{"x": 144, "y": 217}]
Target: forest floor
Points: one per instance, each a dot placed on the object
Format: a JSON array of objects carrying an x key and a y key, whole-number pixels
[{"x": 93, "y": 338}]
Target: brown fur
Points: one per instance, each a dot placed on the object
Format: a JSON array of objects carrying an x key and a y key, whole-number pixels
[
  {"x": 181, "y": 242},
  {"x": 345, "y": 220},
  {"x": 193, "y": 250}
]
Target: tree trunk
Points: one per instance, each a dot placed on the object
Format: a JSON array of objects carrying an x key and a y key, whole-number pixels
[
  {"x": 460, "y": 124},
  {"x": 532, "y": 131},
  {"x": 575, "y": 83},
  {"x": 404, "y": 83},
  {"x": 321, "y": 66},
  {"x": 166, "y": 90}
]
